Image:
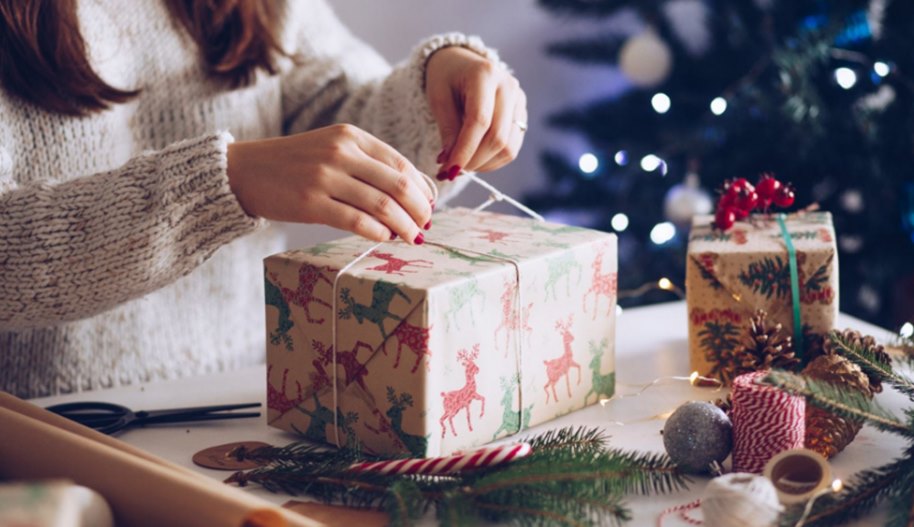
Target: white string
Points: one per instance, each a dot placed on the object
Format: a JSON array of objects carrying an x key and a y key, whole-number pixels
[
  {"x": 494, "y": 196},
  {"x": 497, "y": 195}
]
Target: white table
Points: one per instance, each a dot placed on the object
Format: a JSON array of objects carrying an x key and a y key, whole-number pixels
[{"x": 651, "y": 343}]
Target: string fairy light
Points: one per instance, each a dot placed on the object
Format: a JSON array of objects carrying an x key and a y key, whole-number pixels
[
  {"x": 663, "y": 284},
  {"x": 836, "y": 486},
  {"x": 695, "y": 379}
]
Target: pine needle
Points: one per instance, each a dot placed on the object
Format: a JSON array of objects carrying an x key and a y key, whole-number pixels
[{"x": 848, "y": 403}]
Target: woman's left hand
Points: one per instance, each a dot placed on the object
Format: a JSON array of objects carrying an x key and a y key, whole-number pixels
[{"x": 480, "y": 109}]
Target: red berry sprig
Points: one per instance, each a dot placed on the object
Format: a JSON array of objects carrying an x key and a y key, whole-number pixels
[{"x": 738, "y": 198}]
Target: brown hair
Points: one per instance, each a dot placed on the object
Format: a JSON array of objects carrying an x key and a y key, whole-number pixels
[{"x": 43, "y": 54}]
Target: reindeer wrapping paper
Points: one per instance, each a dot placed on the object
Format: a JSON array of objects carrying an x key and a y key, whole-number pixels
[
  {"x": 433, "y": 355},
  {"x": 729, "y": 275}
]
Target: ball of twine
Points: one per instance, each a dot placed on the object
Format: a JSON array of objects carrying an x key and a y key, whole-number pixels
[
  {"x": 766, "y": 421},
  {"x": 740, "y": 500}
]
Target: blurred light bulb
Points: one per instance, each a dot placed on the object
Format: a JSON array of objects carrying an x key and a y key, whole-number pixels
[
  {"x": 621, "y": 158},
  {"x": 588, "y": 163},
  {"x": 619, "y": 222},
  {"x": 665, "y": 284},
  {"x": 650, "y": 162},
  {"x": 662, "y": 233},
  {"x": 845, "y": 77},
  {"x": 881, "y": 68},
  {"x": 718, "y": 105},
  {"x": 661, "y": 102}
]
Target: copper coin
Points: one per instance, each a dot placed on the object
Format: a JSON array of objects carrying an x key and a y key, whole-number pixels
[{"x": 219, "y": 457}]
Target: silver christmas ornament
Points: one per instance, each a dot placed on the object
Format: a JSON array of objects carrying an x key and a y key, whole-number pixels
[
  {"x": 686, "y": 200},
  {"x": 696, "y": 435}
]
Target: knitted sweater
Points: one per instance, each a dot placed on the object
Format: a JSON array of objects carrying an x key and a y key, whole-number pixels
[{"x": 124, "y": 255}]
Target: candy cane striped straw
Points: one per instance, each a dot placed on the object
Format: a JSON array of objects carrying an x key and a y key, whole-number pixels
[{"x": 485, "y": 457}]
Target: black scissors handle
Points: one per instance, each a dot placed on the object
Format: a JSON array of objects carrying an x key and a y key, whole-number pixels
[{"x": 109, "y": 418}]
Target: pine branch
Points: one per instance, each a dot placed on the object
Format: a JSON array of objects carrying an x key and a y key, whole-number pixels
[
  {"x": 577, "y": 440},
  {"x": 570, "y": 476},
  {"x": 847, "y": 403},
  {"x": 871, "y": 365}
]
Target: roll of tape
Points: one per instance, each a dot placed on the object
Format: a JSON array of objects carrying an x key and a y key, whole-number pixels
[{"x": 798, "y": 475}]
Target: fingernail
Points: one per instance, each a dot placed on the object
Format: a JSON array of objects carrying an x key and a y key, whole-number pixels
[
  {"x": 432, "y": 203},
  {"x": 420, "y": 239},
  {"x": 441, "y": 156},
  {"x": 428, "y": 225},
  {"x": 442, "y": 175},
  {"x": 453, "y": 172},
  {"x": 393, "y": 236}
]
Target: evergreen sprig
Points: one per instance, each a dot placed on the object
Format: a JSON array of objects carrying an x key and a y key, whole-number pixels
[
  {"x": 870, "y": 365},
  {"x": 847, "y": 403},
  {"x": 571, "y": 478}
]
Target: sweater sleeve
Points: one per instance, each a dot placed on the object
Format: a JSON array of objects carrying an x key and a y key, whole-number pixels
[
  {"x": 75, "y": 249},
  {"x": 344, "y": 80}
]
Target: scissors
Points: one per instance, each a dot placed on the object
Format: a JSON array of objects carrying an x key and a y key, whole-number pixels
[{"x": 109, "y": 418}]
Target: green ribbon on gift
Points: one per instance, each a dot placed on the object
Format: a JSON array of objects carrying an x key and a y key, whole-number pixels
[{"x": 794, "y": 287}]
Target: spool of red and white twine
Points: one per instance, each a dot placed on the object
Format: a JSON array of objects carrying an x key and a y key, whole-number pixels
[
  {"x": 766, "y": 421},
  {"x": 482, "y": 458}
]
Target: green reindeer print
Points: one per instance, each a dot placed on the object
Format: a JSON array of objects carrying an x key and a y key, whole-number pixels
[
  {"x": 460, "y": 297},
  {"x": 557, "y": 229},
  {"x": 511, "y": 420},
  {"x": 322, "y": 416},
  {"x": 416, "y": 444},
  {"x": 379, "y": 311},
  {"x": 455, "y": 254},
  {"x": 559, "y": 268},
  {"x": 274, "y": 298},
  {"x": 602, "y": 384}
]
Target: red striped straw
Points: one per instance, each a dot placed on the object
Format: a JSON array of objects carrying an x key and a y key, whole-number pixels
[
  {"x": 485, "y": 457},
  {"x": 766, "y": 421}
]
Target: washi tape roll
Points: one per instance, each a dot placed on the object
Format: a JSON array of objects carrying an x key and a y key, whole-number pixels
[
  {"x": 798, "y": 475},
  {"x": 766, "y": 422}
]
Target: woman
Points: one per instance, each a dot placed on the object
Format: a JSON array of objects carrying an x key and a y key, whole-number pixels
[{"x": 142, "y": 151}]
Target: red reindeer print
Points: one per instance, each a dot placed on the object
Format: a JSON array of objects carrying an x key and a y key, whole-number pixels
[
  {"x": 395, "y": 265},
  {"x": 492, "y": 236},
  {"x": 413, "y": 337},
  {"x": 557, "y": 368},
  {"x": 308, "y": 278},
  {"x": 510, "y": 322},
  {"x": 461, "y": 399},
  {"x": 602, "y": 285},
  {"x": 354, "y": 370},
  {"x": 277, "y": 399}
]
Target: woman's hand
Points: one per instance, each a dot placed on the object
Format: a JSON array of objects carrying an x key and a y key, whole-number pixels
[
  {"x": 480, "y": 109},
  {"x": 339, "y": 175}
]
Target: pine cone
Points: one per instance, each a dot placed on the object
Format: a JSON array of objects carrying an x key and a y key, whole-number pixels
[
  {"x": 827, "y": 433},
  {"x": 726, "y": 405},
  {"x": 764, "y": 347},
  {"x": 865, "y": 343}
]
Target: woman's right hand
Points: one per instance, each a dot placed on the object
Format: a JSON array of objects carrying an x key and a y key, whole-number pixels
[{"x": 339, "y": 175}]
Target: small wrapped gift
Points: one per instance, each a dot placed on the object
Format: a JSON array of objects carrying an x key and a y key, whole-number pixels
[
  {"x": 495, "y": 324},
  {"x": 732, "y": 274}
]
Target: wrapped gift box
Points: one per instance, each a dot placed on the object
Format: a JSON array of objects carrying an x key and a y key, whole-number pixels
[
  {"x": 729, "y": 275},
  {"x": 437, "y": 348}
]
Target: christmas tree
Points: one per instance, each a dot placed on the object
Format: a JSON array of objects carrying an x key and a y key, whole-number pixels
[{"x": 818, "y": 92}]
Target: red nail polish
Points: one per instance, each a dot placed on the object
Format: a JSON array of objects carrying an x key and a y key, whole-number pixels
[
  {"x": 441, "y": 156},
  {"x": 428, "y": 225},
  {"x": 453, "y": 172},
  {"x": 420, "y": 239},
  {"x": 441, "y": 175},
  {"x": 393, "y": 236}
]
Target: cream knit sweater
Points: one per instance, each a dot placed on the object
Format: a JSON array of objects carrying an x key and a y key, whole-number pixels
[{"x": 124, "y": 256}]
